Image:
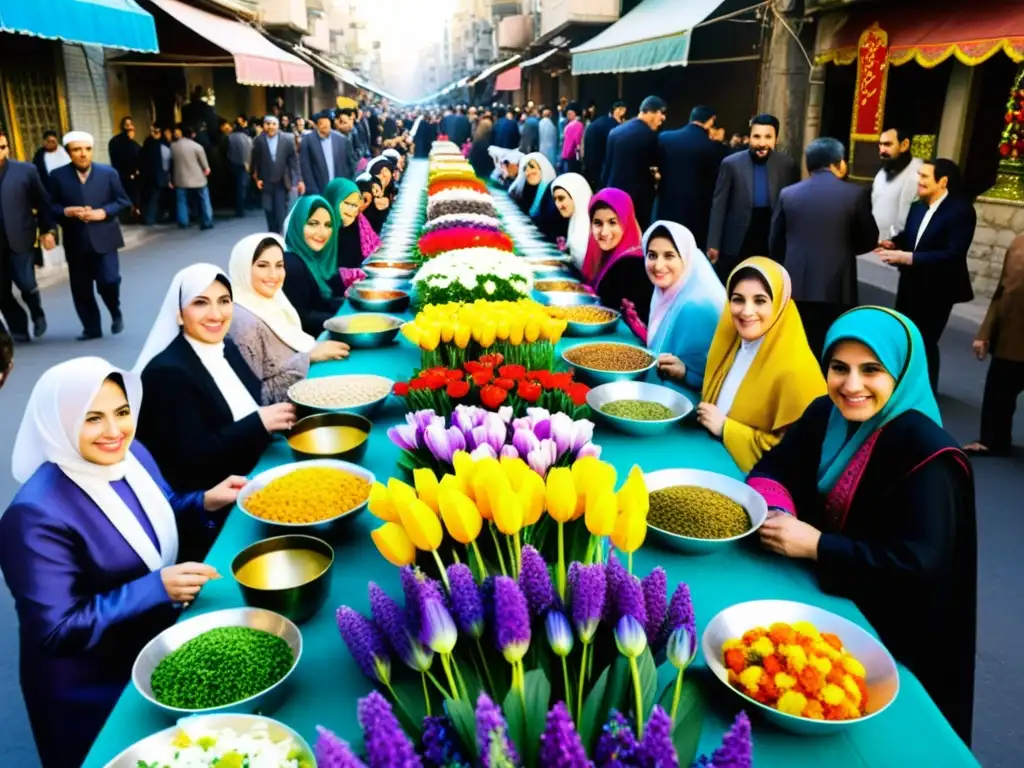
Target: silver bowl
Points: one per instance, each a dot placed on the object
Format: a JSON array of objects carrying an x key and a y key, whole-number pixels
[
  {"x": 143, "y": 751},
  {"x": 177, "y": 635},
  {"x": 364, "y": 409},
  {"x": 751, "y": 501},
  {"x": 337, "y": 327},
  {"x": 600, "y": 396},
  {"x": 397, "y": 304},
  {"x": 388, "y": 272},
  {"x": 550, "y": 272},
  {"x": 565, "y": 298},
  {"x": 883, "y": 677},
  {"x": 324, "y": 526},
  {"x": 576, "y": 328},
  {"x": 595, "y": 377}
]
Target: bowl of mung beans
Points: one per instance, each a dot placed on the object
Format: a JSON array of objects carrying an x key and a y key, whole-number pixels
[
  {"x": 362, "y": 393},
  {"x": 601, "y": 362},
  {"x": 698, "y": 512},
  {"x": 586, "y": 320},
  {"x": 638, "y": 407},
  {"x": 379, "y": 296},
  {"x": 315, "y": 495},
  {"x": 365, "y": 330}
]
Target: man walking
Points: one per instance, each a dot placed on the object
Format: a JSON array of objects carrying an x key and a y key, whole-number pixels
[
  {"x": 324, "y": 156},
  {"x": 461, "y": 131},
  {"x": 631, "y": 158},
  {"x": 345, "y": 124},
  {"x": 595, "y": 142},
  {"x": 548, "y": 133},
  {"x": 931, "y": 254},
  {"x": 239, "y": 160},
  {"x": 895, "y": 185},
  {"x": 124, "y": 157},
  {"x": 529, "y": 133},
  {"x": 21, "y": 191},
  {"x": 153, "y": 177},
  {"x": 49, "y": 156},
  {"x": 746, "y": 194},
  {"x": 275, "y": 166},
  {"x": 190, "y": 169},
  {"x": 87, "y": 197},
  {"x": 572, "y": 141}
]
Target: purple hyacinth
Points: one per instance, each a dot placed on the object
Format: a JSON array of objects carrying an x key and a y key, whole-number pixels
[
  {"x": 536, "y": 582},
  {"x": 655, "y": 587},
  {"x": 617, "y": 747},
  {"x": 467, "y": 605},
  {"x": 657, "y": 749},
  {"x": 680, "y": 613},
  {"x": 625, "y": 595},
  {"x": 737, "y": 750},
  {"x": 418, "y": 588},
  {"x": 332, "y": 752},
  {"x": 588, "y": 598},
  {"x": 441, "y": 746},
  {"x": 391, "y": 619},
  {"x": 560, "y": 745},
  {"x": 366, "y": 644},
  {"x": 387, "y": 746},
  {"x": 512, "y": 619},
  {"x": 492, "y": 734}
]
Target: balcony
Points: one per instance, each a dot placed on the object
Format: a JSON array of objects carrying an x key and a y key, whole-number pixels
[
  {"x": 290, "y": 14},
  {"x": 502, "y": 8},
  {"x": 319, "y": 37},
  {"x": 557, "y": 13},
  {"x": 515, "y": 32}
]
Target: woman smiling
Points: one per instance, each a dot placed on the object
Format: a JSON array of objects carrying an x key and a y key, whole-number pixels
[
  {"x": 312, "y": 282},
  {"x": 571, "y": 195},
  {"x": 529, "y": 188},
  {"x": 870, "y": 487},
  {"x": 614, "y": 264},
  {"x": 354, "y": 244}
]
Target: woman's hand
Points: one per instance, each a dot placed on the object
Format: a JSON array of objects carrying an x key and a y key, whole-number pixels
[
  {"x": 671, "y": 367},
  {"x": 183, "y": 581},
  {"x": 785, "y": 535},
  {"x": 980, "y": 349},
  {"x": 278, "y": 418},
  {"x": 329, "y": 350},
  {"x": 711, "y": 418},
  {"x": 223, "y": 494}
]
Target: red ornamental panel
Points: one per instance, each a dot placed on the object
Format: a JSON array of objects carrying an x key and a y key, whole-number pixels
[{"x": 872, "y": 76}]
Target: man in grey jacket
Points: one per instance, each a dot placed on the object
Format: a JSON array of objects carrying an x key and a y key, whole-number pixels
[
  {"x": 189, "y": 171},
  {"x": 239, "y": 158}
]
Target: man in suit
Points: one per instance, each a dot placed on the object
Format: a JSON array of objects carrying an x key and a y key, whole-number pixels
[
  {"x": 931, "y": 254},
  {"x": 529, "y": 134},
  {"x": 190, "y": 169},
  {"x": 274, "y": 167},
  {"x": 154, "y": 180},
  {"x": 87, "y": 198},
  {"x": 21, "y": 191},
  {"x": 595, "y": 142},
  {"x": 124, "y": 157},
  {"x": 240, "y": 161},
  {"x": 746, "y": 194},
  {"x": 461, "y": 131},
  {"x": 345, "y": 124},
  {"x": 689, "y": 161},
  {"x": 324, "y": 156},
  {"x": 49, "y": 156},
  {"x": 631, "y": 157},
  {"x": 818, "y": 228}
]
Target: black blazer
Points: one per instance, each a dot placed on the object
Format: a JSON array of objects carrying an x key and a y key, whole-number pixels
[
  {"x": 21, "y": 192},
  {"x": 186, "y": 422},
  {"x": 595, "y": 143},
  {"x": 939, "y": 272},
  {"x": 101, "y": 190},
  {"x": 631, "y": 152},
  {"x": 314, "y": 164},
  {"x": 303, "y": 292},
  {"x": 282, "y": 168},
  {"x": 689, "y": 162}
]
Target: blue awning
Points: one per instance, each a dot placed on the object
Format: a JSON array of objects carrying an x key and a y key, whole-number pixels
[{"x": 110, "y": 23}]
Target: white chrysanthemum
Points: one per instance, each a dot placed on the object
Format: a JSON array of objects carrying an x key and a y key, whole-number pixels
[{"x": 490, "y": 287}]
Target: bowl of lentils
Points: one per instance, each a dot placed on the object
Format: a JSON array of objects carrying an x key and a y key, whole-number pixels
[
  {"x": 698, "y": 512},
  {"x": 637, "y": 407},
  {"x": 235, "y": 660},
  {"x": 602, "y": 362}
]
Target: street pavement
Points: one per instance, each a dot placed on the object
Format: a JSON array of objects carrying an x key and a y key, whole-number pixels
[{"x": 147, "y": 271}]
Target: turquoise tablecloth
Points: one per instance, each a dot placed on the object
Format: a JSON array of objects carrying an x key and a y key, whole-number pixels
[{"x": 327, "y": 683}]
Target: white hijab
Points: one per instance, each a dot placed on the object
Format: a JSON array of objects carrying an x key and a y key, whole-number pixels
[
  {"x": 578, "y": 235},
  {"x": 186, "y": 285},
  {"x": 547, "y": 173},
  {"x": 49, "y": 432},
  {"x": 278, "y": 313}
]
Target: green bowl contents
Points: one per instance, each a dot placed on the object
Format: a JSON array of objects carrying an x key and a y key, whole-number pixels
[
  {"x": 220, "y": 667},
  {"x": 697, "y": 513},
  {"x": 638, "y": 410}
]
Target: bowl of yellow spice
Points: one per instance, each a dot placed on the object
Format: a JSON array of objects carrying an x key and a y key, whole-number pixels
[
  {"x": 341, "y": 436},
  {"x": 365, "y": 330}
]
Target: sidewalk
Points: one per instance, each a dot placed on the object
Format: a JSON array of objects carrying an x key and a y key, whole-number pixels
[{"x": 55, "y": 269}]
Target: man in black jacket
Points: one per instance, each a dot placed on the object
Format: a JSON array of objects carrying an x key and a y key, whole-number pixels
[
  {"x": 595, "y": 142},
  {"x": 631, "y": 157},
  {"x": 124, "y": 157},
  {"x": 50, "y": 156}
]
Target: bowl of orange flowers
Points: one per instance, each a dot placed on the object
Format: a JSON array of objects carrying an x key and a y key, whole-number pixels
[{"x": 810, "y": 671}]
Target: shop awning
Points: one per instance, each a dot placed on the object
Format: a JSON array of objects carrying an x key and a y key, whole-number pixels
[
  {"x": 334, "y": 70},
  {"x": 495, "y": 69},
  {"x": 257, "y": 60},
  {"x": 509, "y": 80},
  {"x": 654, "y": 35},
  {"x": 930, "y": 34},
  {"x": 539, "y": 59},
  {"x": 110, "y": 23}
]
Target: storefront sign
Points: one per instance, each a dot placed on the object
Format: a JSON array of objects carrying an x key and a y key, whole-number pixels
[{"x": 869, "y": 92}]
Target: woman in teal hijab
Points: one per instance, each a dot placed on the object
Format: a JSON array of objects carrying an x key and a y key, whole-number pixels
[
  {"x": 870, "y": 488},
  {"x": 312, "y": 283},
  {"x": 344, "y": 196}
]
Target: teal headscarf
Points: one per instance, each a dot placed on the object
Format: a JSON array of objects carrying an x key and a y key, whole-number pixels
[
  {"x": 337, "y": 190},
  {"x": 323, "y": 264},
  {"x": 900, "y": 348}
]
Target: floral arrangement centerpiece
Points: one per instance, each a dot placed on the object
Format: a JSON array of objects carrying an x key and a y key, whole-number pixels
[
  {"x": 459, "y": 201},
  {"x": 457, "y": 238},
  {"x": 446, "y": 184},
  {"x": 487, "y": 383},
  {"x": 470, "y": 274}
]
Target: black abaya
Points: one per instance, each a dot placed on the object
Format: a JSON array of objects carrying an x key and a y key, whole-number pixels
[{"x": 627, "y": 279}]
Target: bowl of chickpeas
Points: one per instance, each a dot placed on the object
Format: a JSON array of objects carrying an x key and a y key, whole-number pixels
[{"x": 361, "y": 393}]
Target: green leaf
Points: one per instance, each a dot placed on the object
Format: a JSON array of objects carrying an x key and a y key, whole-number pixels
[
  {"x": 538, "y": 698},
  {"x": 608, "y": 693},
  {"x": 463, "y": 720},
  {"x": 516, "y": 718},
  {"x": 591, "y": 707},
  {"x": 689, "y": 718},
  {"x": 648, "y": 682}
]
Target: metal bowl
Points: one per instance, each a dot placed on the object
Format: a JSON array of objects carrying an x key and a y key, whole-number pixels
[
  {"x": 600, "y": 396},
  {"x": 751, "y": 501},
  {"x": 388, "y": 273},
  {"x": 364, "y": 409},
  {"x": 177, "y": 635},
  {"x": 327, "y": 436},
  {"x": 145, "y": 750},
  {"x": 595, "y": 377},
  {"x": 397, "y": 304},
  {"x": 324, "y": 526},
  {"x": 883, "y": 677},
  {"x": 289, "y": 575},
  {"x": 576, "y": 328},
  {"x": 338, "y": 328},
  {"x": 550, "y": 272},
  {"x": 565, "y": 298}
]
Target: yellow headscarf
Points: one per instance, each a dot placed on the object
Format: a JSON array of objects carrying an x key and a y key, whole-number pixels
[{"x": 782, "y": 381}]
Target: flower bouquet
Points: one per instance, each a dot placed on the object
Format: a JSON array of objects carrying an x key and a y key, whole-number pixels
[
  {"x": 449, "y": 239},
  {"x": 470, "y": 274},
  {"x": 488, "y": 383}
]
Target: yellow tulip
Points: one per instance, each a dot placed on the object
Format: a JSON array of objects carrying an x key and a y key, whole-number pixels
[
  {"x": 477, "y": 329},
  {"x": 411, "y": 331},
  {"x": 508, "y": 512},
  {"x": 515, "y": 331},
  {"x": 487, "y": 335},
  {"x": 630, "y": 532},
  {"x": 422, "y": 525},
  {"x": 380, "y": 504},
  {"x": 556, "y": 329},
  {"x": 464, "y": 469},
  {"x": 426, "y": 486},
  {"x": 486, "y": 475},
  {"x": 448, "y": 483},
  {"x": 531, "y": 494},
  {"x": 447, "y": 330},
  {"x": 461, "y": 516},
  {"x": 532, "y": 330},
  {"x": 633, "y": 496},
  {"x": 514, "y": 468},
  {"x": 462, "y": 333},
  {"x": 430, "y": 337},
  {"x": 586, "y": 474},
  {"x": 602, "y": 512},
  {"x": 401, "y": 494},
  {"x": 560, "y": 496},
  {"x": 394, "y": 543},
  {"x": 502, "y": 329}
]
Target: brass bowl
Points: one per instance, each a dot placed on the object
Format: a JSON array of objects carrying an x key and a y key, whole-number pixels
[
  {"x": 290, "y": 575},
  {"x": 330, "y": 436},
  {"x": 339, "y": 329}
]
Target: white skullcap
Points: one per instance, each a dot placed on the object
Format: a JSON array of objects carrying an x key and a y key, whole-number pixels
[
  {"x": 80, "y": 136},
  {"x": 270, "y": 119}
]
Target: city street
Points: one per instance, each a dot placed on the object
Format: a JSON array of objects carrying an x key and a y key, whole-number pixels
[{"x": 146, "y": 273}]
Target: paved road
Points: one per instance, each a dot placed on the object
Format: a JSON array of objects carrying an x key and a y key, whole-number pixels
[{"x": 999, "y": 732}]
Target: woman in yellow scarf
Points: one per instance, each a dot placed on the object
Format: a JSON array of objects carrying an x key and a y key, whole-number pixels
[{"x": 761, "y": 373}]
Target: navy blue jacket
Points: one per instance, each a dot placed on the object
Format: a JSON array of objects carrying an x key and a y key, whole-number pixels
[
  {"x": 595, "y": 142},
  {"x": 689, "y": 162},
  {"x": 939, "y": 272},
  {"x": 101, "y": 190},
  {"x": 314, "y": 164},
  {"x": 631, "y": 152},
  {"x": 21, "y": 191}
]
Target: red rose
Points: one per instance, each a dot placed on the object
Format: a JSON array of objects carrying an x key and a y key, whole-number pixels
[
  {"x": 515, "y": 372},
  {"x": 401, "y": 388},
  {"x": 578, "y": 394},
  {"x": 454, "y": 375},
  {"x": 530, "y": 391},
  {"x": 492, "y": 397},
  {"x": 482, "y": 377},
  {"x": 506, "y": 384},
  {"x": 457, "y": 389}
]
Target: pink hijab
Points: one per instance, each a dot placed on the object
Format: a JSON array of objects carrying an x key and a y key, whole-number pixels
[{"x": 596, "y": 262}]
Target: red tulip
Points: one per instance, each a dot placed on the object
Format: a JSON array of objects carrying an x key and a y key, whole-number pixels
[
  {"x": 492, "y": 397},
  {"x": 457, "y": 389}
]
